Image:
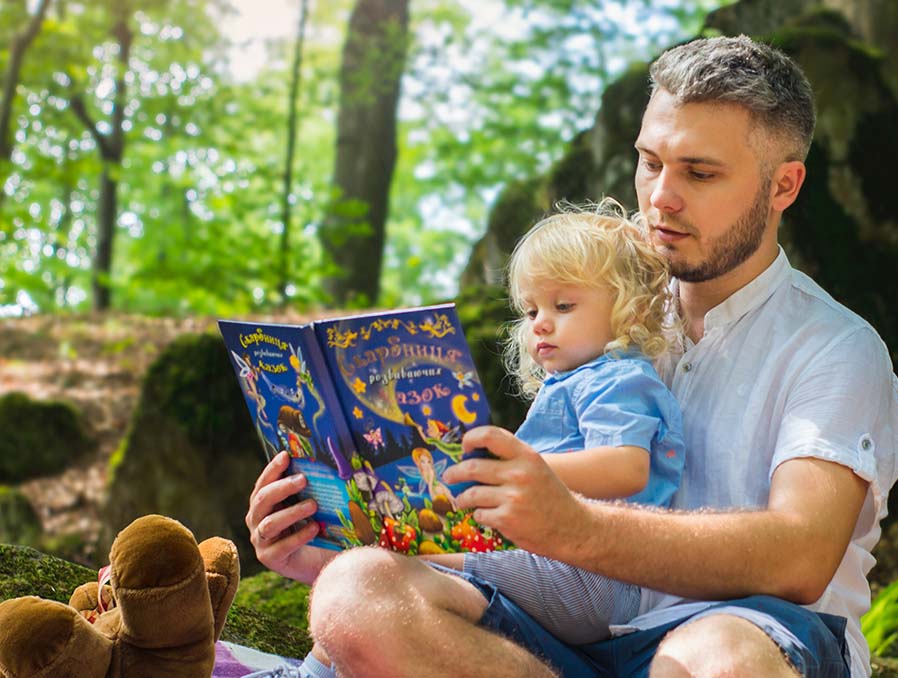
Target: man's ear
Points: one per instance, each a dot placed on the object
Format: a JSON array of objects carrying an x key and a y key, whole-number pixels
[{"x": 787, "y": 181}]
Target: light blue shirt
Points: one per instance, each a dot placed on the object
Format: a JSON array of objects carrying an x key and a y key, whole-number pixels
[{"x": 615, "y": 402}]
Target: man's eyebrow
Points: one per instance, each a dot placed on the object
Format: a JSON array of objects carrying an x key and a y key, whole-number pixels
[{"x": 685, "y": 159}]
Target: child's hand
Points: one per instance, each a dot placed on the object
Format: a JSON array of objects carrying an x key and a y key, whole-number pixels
[{"x": 518, "y": 494}]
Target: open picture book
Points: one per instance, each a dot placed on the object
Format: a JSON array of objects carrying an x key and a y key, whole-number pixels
[{"x": 371, "y": 408}]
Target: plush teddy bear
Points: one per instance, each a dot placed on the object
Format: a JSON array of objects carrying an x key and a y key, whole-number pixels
[{"x": 168, "y": 599}]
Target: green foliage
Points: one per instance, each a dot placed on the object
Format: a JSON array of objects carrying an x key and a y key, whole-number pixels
[
  {"x": 880, "y": 624},
  {"x": 198, "y": 223},
  {"x": 39, "y": 437}
]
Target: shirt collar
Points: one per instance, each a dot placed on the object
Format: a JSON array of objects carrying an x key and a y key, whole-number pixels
[
  {"x": 749, "y": 297},
  {"x": 553, "y": 377}
]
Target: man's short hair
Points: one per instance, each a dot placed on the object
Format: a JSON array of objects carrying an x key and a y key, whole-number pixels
[{"x": 741, "y": 71}]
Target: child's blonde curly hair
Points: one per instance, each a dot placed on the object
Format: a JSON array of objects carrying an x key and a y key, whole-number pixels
[{"x": 593, "y": 245}]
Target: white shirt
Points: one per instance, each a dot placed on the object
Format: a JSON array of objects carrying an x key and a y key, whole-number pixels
[{"x": 784, "y": 371}]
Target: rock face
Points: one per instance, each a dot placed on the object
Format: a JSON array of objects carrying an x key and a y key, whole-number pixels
[
  {"x": 190, "y": 452},
  {"x": 19, "y": 523},
  {"x": 39, "y": 437}
]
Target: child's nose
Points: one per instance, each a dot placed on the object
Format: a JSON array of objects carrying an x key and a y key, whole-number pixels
[{"x": 542, "y": 324}]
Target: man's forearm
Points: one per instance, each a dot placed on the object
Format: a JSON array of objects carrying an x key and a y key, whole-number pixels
[
  {"x": 789, "y": 549},
  {"x": 701, "y": 555}
]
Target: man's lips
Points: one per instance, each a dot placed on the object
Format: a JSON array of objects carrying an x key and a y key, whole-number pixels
[{"x": 666, "y": 234}]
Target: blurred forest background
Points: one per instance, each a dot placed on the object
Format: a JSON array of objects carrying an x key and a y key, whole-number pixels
[
  {"x": 151, "y": 163},
  {"x": 166, "y": 162}
]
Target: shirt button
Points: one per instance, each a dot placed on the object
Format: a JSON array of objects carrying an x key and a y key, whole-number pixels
[
  {"x": 687, "y": 367},
  {"x": 866, "y": 443}
]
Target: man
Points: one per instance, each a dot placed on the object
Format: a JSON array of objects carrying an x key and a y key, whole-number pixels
[{"x": 790, "y": 416}]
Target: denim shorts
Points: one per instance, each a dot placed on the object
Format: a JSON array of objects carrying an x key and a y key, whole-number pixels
[{"x": 813, "y": 642}]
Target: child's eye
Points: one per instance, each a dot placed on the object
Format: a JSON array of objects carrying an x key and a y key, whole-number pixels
[
  {"x": 530, "y": 313},
  {"x": 564, "y": 307}
]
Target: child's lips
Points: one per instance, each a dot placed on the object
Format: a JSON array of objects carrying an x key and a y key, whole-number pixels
[{"x": 544, "y": 348}]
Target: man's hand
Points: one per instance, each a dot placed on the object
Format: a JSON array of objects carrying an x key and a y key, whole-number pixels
[
  {"x": 277, "y": 547},
  {"x": 518, "y": 494}
]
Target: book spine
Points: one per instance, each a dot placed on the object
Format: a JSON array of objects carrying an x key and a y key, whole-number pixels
[{"x": 343, "y": 448}]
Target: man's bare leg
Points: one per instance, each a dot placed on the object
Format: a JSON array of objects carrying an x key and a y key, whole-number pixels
[
  {"x": 379, "y": 614},
  {"x": 720, "y": 646}
]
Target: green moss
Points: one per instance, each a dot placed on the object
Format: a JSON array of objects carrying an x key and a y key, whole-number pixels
[
  {"x": 252, "y": 628},
  {"x": 27, "y": 572},
  {"x": 276, "y": 596},
  {"x": 39, "y": 437}
]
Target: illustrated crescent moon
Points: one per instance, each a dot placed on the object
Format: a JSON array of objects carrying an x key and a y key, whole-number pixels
[{"x": 460, "y": 410}]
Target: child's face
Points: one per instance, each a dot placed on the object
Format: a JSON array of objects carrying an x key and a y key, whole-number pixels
[{"x": 567, "y": 325}]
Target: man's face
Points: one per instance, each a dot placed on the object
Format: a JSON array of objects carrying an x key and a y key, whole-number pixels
[{"x": 701, "y": 189}]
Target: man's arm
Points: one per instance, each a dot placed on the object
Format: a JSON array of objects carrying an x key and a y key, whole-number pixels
[
  {"x": 791, "y": 548},
  {"x": 602, "y": 472}
]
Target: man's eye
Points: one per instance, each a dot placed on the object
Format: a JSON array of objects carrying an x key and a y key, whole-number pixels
[
  {"x": 650, "y": 166},
  {"x": 701, "y": 176}
]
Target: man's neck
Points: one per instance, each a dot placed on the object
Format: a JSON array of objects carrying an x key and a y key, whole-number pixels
[{"x": 696, "y": 299}]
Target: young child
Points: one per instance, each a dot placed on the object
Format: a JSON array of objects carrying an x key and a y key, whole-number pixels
[{"x": 593, "y": 299}]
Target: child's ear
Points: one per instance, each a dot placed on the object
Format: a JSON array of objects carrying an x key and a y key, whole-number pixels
[{"x": 786, "y": 183}]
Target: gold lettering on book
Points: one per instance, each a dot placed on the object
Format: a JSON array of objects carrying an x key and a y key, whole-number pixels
[
  {"x": 437, "y": 327},
  {"x": 259, "y": 337},
  {"x": 274, "y": 369}
]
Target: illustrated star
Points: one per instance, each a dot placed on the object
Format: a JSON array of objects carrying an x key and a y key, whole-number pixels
[
  {"x": 357, "y": 413},
  {"x": 358, "y": 386}
]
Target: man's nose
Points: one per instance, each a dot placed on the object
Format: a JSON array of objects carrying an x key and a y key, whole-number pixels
[{"x": 666, "y": 197}]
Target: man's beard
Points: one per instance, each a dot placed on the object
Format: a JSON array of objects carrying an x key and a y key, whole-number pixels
[{"x": 731, "y": 249}]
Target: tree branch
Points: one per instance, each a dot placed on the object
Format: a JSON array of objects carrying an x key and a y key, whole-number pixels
[
  {"x": 20, "y": 44},
  {"x": 76, "y": 103}
]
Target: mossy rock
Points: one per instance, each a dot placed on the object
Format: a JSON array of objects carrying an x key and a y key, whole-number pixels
[
  {"x": 40, "y": 437},
  {"x": 24, "y": 571},
  {"x": 191, "y": 452},
  {"x": 276, "y": 596},
  {"x": 27, "y": 572},
  {"x": 19, "y": 523},
  {"x": 484, "y": 313}
]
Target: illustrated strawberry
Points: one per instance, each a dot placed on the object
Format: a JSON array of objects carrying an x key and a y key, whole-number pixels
[{"x": 397, "y": 537}]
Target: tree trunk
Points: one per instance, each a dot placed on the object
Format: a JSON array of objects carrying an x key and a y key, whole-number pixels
[
  {"x": 353, "y": 233},
  {"x": 292, "y": 124},
  {"x": 20, "y": 44},
  {"x": 111, "y": 147}
]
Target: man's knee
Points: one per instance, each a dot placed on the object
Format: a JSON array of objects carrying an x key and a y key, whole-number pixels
[
  {"x": 719, "y": 645},
  {"x": 350, "y": 588}
]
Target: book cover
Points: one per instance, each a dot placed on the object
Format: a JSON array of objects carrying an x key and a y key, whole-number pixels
[{"x": 372, "y": 409}]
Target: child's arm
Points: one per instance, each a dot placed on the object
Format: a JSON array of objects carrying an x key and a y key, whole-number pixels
[{"x": 602, "y": 472}]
